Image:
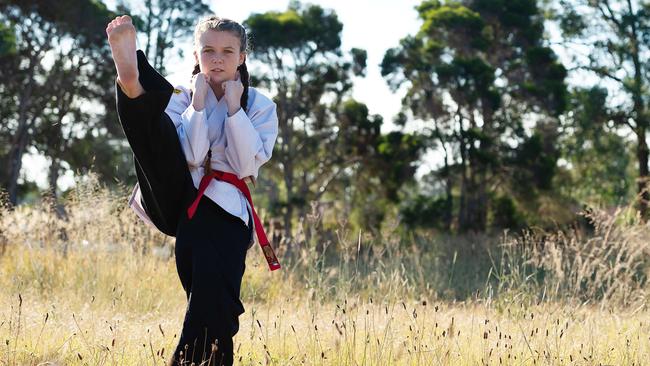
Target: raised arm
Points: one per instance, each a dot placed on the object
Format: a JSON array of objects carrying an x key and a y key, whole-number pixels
[
  {"x": 191, "y": 125},
  {"x": 251, "y": 136}
]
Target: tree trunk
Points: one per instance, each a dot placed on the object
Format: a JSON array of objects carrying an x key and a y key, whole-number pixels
[
  {"x": 53, "y": 177},
  {"x": 288, "y": 213},
  {"x": 19, "y": 143},
  {"x": 642, "y": 182},
  {"x": 640, "y": 110},
  {"x": 462, "y": 210},
  {"x": 15, "y": 162},
  {"x": 449, "y": 201}
]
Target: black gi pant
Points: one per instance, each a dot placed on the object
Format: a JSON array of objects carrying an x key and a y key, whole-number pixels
[{"x": 210, "y": 249}]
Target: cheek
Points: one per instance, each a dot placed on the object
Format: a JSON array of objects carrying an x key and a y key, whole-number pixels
[
  {"x": 204, "y": 59},
  {"x": 234, "y": 61}
]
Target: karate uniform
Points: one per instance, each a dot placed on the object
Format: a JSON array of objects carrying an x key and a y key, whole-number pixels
[
  {"x": 170, "y": 141},
  {"x": 240, "y": 144}
]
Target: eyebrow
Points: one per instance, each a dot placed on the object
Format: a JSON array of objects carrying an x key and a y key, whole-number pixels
[{"x": 226, "y": 47}]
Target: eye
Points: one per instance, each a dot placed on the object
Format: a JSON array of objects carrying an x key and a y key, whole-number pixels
[{"x": 207, "y": 50}]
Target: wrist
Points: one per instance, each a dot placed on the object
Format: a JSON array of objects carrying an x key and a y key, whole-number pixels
[
  {"x": 233, "y": 110},
  {"x": 198, "y": 105}
]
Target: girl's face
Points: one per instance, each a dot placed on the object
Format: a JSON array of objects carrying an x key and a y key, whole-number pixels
[{"x": 218, "y": 55}]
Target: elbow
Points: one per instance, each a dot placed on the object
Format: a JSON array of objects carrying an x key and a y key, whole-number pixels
[
  {"x": 195, "y": 159},
  {"x": 243, "y": 167},
  {"x": 253, "y": 166}
]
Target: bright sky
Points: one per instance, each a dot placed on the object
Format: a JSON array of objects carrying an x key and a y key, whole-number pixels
[{"x": 373, "y": 25}]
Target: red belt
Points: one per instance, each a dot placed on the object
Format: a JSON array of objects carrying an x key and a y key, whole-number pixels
[{"x": 241, "y": 185}]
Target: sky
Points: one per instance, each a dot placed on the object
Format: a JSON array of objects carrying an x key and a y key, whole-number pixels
[{"x": 373, "y": 25}]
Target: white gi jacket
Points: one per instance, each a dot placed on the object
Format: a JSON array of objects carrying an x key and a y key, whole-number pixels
[{"x": 240, "y": 144}]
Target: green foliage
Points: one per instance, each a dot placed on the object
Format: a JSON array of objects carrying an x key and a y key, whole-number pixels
[
  {"x": 7, "y": 41},
  {"x": 59, "y": 65},
  {"x": 475, "y": 70},
  {"x": 599, "y": 158},
  {"x": 505, "y": 214},
  {"x": 462, "y": 28},
  {"x": 84, "y": 20},
  {"x": 359, "y": 58},
  {"x": 424, "y": 211},
  {"x": 548, "y": 86},
  {"x": 340, "y": 147},
  {"x": 617, "y": 34},
  {"x": 571, "y": 23},
  {"x": 310, "y": 26},
  {"x": 534, "y": 163},
  {"x": 397, "y": 152}
]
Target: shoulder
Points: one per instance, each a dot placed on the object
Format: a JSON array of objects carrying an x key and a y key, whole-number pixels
[
  {"x": 258, "y": 100},
  {"x": 181, "y": 92},
  {"x": 179, "y": 100}
]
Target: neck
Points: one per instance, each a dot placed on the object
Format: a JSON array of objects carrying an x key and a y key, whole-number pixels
[{"x": 218, "y": 91}]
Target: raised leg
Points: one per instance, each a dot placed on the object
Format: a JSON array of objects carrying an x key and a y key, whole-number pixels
[{"x": 161, "y": 167}]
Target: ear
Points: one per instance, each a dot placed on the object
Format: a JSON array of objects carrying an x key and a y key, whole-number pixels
[
  {"x": 242, "y": 57},
  {"x": 196, "y": 57}
]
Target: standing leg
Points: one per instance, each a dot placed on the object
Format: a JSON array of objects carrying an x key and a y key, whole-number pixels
[{"x": 211, "y": 253}]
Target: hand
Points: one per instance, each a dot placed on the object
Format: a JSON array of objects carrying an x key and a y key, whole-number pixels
[
  {"x": 200, "y": 85},
  {"x": 233, "y": 90}
]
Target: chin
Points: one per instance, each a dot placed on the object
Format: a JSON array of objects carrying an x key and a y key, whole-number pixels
[{"x": 220, "y": 76}]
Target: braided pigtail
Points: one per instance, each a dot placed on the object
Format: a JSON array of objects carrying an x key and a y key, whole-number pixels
[{"x": 245, "y": 80}]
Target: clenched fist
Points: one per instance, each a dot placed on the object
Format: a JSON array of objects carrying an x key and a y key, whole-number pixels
[
  {"x": 200, "y": 85},
  {"x": 233, "y": 90}
]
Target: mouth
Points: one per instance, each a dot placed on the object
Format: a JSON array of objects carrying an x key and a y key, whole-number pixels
[{"x": 217, "y": 70}]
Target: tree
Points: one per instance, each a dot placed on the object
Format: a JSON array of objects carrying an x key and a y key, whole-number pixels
[
  {"x": 616, "y": 39},
  {"x": 304, "y": 66},
  {"x": 476, "y": 70},
  {"x": 40, "y": 28},
  {"x": 386, "y": 162},
  {"x": 598, "y": 157}
]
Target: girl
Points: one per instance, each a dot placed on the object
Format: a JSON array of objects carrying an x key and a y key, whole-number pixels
[{"x": 191, "y": 142}]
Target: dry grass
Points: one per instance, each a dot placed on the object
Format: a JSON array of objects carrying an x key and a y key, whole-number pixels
[
  {"x": 102, "y": 289},
  {"x": 609, "y": 266}
]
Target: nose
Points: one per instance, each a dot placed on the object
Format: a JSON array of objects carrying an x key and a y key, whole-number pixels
[{"x": 217, "y": 59}]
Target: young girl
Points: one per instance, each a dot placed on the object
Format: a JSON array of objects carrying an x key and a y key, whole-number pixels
[{"x": 190, "y": 142}]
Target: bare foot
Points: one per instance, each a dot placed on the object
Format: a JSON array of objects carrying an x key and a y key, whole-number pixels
[{"x": 121, "y": 38}]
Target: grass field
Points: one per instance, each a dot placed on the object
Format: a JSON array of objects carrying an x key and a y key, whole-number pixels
[{"x": 102, "y": 289}]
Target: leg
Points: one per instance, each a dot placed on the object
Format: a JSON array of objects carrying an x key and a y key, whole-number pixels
[
  {"x": 210, "y": 253},
  {"x": 122, "y": 39},
  {"x": 142, "y": 95},
  {"x": 160, "y": 163}
]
